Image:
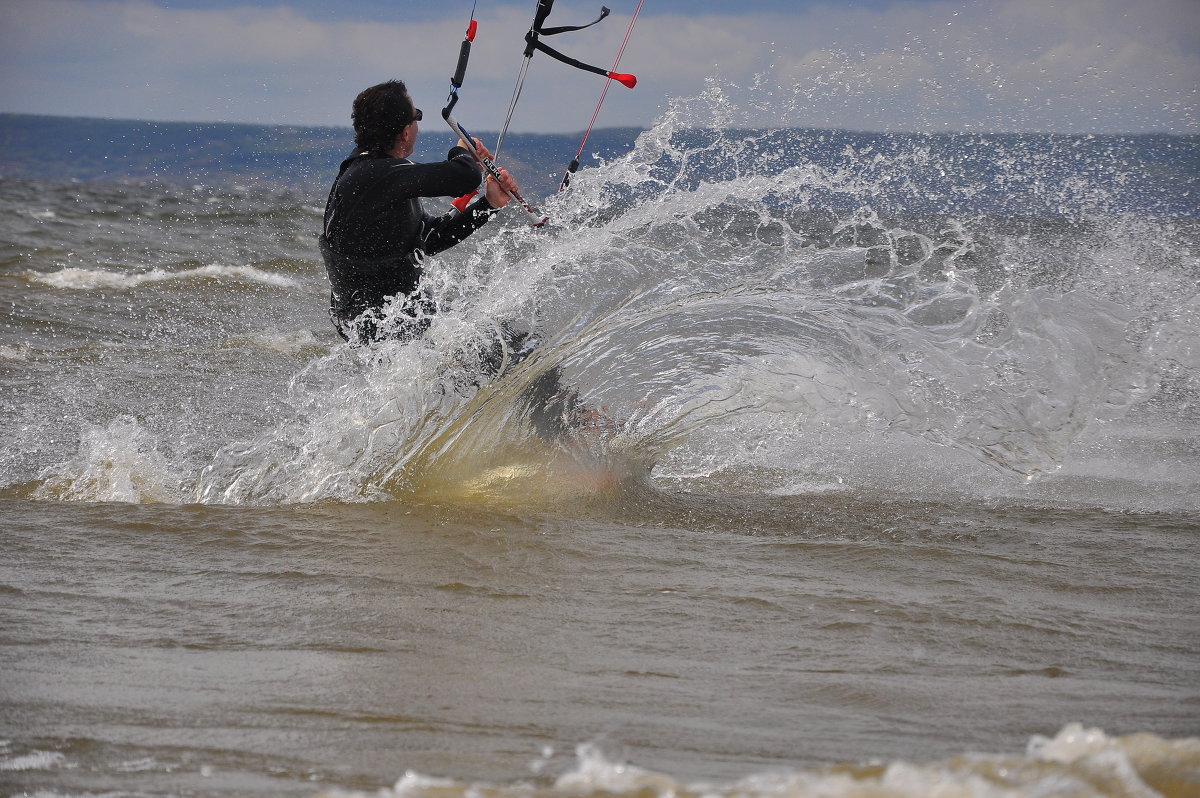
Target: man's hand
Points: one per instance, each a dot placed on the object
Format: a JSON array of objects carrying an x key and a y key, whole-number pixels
[{"x": 497, "y": 194}]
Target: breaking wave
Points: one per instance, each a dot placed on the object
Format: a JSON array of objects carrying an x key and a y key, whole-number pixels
[
  {"x": 1080, "y": 762},
  {"x": 92, "y": 279}
]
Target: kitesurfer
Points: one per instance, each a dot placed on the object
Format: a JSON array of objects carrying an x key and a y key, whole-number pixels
[{"x": 376, "y": 233}]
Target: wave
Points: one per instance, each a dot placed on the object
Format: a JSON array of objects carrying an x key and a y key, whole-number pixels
[
  {"x": 35, "y": 760},
  {"x": 1080, "y": 762},
  {"x": 79, "y": 279}
]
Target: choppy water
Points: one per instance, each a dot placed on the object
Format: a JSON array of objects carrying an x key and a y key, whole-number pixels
[{"x": 894, "y": 491}]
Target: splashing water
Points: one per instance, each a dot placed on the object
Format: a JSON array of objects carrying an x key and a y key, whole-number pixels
[
  {"x": 822, "y": 304},
  {"x": 117, "y": 463},
  {"x": 719, "y": 295}
]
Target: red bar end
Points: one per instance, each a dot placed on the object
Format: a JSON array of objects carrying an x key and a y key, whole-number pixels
[{"x": 628, "y": 81}]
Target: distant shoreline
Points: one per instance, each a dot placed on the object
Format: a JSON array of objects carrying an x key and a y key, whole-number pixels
[
  {"x": 306, "y": 158},
  {"x": 90, "y": 149}
]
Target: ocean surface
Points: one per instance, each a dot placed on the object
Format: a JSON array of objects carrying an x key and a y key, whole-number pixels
[{"x": 883, "y": 479}]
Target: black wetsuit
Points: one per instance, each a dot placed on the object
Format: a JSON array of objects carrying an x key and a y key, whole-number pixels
[
  {"x": 376, "y": 235},
  {"x": 376, "y": 232}
]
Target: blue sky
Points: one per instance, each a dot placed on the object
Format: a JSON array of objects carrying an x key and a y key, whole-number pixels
[{"x": 1050, "y": 65}]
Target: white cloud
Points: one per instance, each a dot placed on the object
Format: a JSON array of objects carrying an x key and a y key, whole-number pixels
[{"x": 1071, "y": 65}]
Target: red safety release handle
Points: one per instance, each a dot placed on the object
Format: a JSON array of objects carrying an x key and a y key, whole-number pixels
[{"x": 461, "y": 203}]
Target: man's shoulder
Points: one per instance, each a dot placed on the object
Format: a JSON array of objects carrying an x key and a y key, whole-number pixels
[{"x": 369, "y": 160}]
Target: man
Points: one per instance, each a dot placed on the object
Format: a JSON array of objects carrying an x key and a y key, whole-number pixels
[{"x": 376, "y": 232}]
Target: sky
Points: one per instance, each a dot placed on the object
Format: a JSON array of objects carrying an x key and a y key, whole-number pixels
[{"x": 1072, "y": 66}]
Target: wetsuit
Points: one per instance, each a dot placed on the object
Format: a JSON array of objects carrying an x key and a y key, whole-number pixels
[
  {"x": 376, "y": 235},
  {"x": 376, "y": 232}
]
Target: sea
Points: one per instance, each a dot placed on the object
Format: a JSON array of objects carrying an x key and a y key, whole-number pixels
[{"x": 877, "y": 476}]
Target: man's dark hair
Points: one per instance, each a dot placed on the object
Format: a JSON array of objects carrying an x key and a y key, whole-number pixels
[{"x": 379, "y": 114}]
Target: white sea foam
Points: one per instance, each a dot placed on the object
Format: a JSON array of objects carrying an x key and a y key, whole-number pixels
[
  {"x": 34, "y": 760},
  {"x": 15, "y": 352},
  {"x": 285, "y": 342},
  {"x": 91, "y": 279},
  {"x": 1077, "y": 762},
  {"x": 807, "y": 488}
]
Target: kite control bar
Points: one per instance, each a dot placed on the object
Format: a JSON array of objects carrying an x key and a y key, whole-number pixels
[
  {"x": 535, "y": 217},
  {"x": 533, "y": 43}
]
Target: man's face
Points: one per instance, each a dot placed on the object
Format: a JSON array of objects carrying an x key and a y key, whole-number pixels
[{"x": 407, "y": 140}]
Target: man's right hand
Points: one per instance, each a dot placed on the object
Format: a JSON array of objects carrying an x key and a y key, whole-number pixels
[{"x": 498, "y": 194}]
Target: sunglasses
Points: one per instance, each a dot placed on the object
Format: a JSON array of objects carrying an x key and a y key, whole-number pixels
[{"x": 417, "y": 115}]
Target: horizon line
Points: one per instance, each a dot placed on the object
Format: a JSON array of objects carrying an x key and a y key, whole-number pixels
[{"x": 862, "y": 131}]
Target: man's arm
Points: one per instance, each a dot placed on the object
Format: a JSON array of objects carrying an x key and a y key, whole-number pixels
[
  {"x": 446, "y": 231},
  {"x": 457, "y": 175},
  {"x": 443, "y": 232}
]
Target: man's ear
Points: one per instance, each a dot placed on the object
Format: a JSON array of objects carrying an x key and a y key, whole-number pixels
[{"x": 407, "y": 139}]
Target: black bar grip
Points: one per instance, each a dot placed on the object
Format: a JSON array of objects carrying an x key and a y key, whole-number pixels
[
  {"x": 566, "y": 180},
  {"x": 539, "y": 15},
  {"x": 460, "y": 73}
]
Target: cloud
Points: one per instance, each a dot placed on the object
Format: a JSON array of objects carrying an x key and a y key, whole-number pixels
[
  {"x": 1087, "y": 65},
  {"x": 1072, "y": 65}
]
